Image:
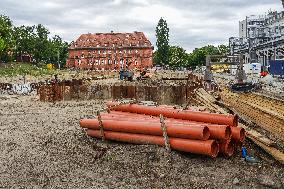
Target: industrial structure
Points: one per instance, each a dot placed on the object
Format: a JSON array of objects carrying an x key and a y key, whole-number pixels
[
  {"x": 261, "y": 38},
  {"x": 109, "y": 51}
]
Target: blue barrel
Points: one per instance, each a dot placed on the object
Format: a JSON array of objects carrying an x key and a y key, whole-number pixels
[{"x": 244, "y": 152}]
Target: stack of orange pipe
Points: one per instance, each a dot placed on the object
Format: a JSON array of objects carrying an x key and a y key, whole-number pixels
[{"x": 188, "y": 131}]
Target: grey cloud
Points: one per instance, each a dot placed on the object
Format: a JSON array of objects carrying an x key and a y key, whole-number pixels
[{"x": 192, "y": 23}]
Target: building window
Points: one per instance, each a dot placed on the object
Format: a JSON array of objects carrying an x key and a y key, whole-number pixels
[
  {"x": 99, "y": 52},
  {"x": 109, "y": 62}
]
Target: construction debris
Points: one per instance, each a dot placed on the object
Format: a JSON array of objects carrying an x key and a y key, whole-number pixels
[
  {"x": 267, "y": 113},
  {"x": 252, "y": 108}
]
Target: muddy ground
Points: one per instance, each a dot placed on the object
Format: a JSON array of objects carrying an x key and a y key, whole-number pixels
[{"x": 42, "y": 146}]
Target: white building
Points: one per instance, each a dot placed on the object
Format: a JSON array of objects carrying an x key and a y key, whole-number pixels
[{"x": 261, "y": 38}]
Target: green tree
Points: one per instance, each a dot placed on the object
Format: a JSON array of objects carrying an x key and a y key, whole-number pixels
[
  {"x": 5, "y": 27},
  {"x": 223, "y": 49},
  {"x": 6, "y": 35},
  {"x": 198, "y": 56},
  {"x": 41, "y": 44},
  {"x": 58, "y": 51},
  {"x": 24, "y": 40},
  {"x": 162, "y": 35},
  {"x": 2, "y": 44},
  {"x": 33, "y": 40},
  {"x": 177, "y": 57}
]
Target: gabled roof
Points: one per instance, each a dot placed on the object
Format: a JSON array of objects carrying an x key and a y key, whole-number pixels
[{"x": 111, "y": 40}]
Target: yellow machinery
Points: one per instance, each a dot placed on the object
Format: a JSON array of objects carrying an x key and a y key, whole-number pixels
[{"x": 50, "y": 66}]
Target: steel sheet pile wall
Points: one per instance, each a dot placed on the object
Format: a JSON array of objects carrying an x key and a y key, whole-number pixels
[
  {"x": 75, "y": 89},
  {"x": 190, "y": 131},
  {"x": 176, "y": 92},
  {"x": 163, "y": 94}
]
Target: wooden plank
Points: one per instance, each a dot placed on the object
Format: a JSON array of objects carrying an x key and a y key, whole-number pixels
[
  {"x": 278, "y": 155},
  {"x": 258, "y": 136},
  {"x": 206, "y": 95},
  {"x": 266, "y": 121},
  {"x": 210, "y": 105}
]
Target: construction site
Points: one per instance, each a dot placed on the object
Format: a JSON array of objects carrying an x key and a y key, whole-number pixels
[
  {"x": 169, "y": 129},
  {"x": 106, "y": 115}
]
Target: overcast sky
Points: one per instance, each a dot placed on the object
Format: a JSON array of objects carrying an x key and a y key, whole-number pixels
[{"x": 192, "y": 23}]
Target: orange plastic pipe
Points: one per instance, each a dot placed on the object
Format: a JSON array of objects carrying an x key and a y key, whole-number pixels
[
  {"x": 207, "y": 147},
  {"x": 220, "y": 132},
  {"x": 216, "y": 131},
  {"x": 221, "y": 119},
  {"x": 238, "y": 134},
  {"x": 127, "y": 115},
  {"x": 149, "y": 128},
  {"x": 226, "y": 147}
]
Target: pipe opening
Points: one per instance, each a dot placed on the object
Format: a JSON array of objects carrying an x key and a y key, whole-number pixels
[
  {"x": 206, "y": 133},
  {"x": 214, "y": 149},
  {"x": 230, "y": 148},
  {"x": 228, "y": 133}
]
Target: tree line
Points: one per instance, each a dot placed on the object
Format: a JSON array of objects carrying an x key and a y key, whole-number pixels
[
  {"x": 175, "y": 56},
  {"x": 15, "y": 41}
]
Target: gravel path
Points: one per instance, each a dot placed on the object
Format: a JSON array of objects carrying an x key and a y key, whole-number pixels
[{"x": 42, "y": 146}]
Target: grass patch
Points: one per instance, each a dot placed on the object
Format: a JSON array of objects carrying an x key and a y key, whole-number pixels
[{"x": 14, "y": 69}]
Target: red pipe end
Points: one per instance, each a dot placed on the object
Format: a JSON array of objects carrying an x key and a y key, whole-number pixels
[
  {"x": 235, "y": 120},
  {"x": 214, "y": 149},
  {"x": 230, "y": 149},
  {"x": 206, "y": 133}
]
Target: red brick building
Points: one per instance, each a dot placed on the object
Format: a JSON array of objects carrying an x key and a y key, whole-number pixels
[{"x": 110, "y": 51}]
